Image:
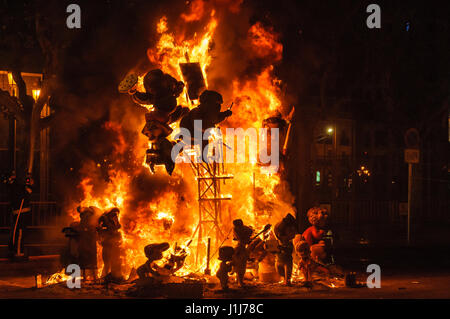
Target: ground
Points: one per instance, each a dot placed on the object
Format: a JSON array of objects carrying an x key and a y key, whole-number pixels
[
  {"x": 404, "y": 286},
  {"x": 420, "y": 271}
]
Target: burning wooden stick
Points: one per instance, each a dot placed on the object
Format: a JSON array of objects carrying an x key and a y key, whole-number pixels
[
  {"x": 288, "y": 134},
  {"x": 17, "y": 220},
  {"x": 266, "y": 229},
  {"x": 207, "y": 270},
  {"x": 38, "y": 281}
]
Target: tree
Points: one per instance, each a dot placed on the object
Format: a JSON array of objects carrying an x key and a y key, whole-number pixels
[{"x": 32, "y": 29}]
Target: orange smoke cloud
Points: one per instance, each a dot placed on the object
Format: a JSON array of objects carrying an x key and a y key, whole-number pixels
[{"x": 196, "y": 11}]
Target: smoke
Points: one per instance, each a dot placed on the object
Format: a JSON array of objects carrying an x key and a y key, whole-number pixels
[
  {"x": 235, "y": 55},
  {"x": 102, "y": 52}
]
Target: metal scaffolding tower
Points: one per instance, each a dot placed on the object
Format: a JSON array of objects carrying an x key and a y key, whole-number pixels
[{"x": 210, "y": 177}]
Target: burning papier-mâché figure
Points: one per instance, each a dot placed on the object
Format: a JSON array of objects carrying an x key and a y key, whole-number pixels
[
  {"x": 249, "y": 251},
  {"x": 316, "y": 234},
  {"x": 176, "y": 259},
  {"x": 208, "y": 112},
  {"x": 257, "y": 250},
  {"x": 306, "y": 265},
  {"x": 257, "y": 253},
  {"x": 285, "y": 232},
  {"x": 153, "y": 252},
  {"x": 242, "y": 234},
  {"x": 226, "y": 254},
  {"x": 161, "y": 91},
  {"x": 82, "y": 246},
  {"x": 111, "y": 239}
]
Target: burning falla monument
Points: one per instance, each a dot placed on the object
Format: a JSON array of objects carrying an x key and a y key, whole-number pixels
[{"x": 192, "y": 207}]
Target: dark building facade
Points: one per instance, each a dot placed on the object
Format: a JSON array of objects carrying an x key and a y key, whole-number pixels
[{"x": 359, "y": 92}]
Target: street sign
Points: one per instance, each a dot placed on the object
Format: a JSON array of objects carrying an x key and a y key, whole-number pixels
[{"x": 412, "y": 156}]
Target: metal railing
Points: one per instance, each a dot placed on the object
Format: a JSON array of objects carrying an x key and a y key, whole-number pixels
[
  {"x": 359, "y": 214},
  {"x": 371, "y": 219},
  {"x": 352, "y": 213},
  {"x": 42, "y": 214}
]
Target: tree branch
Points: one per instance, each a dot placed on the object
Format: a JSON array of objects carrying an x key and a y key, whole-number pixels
[
  {"x": 26, "y": 100},
  {"x": 10, "y": 104}
]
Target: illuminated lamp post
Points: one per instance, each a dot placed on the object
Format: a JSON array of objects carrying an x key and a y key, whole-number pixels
[{"x": 332, "y": 131}]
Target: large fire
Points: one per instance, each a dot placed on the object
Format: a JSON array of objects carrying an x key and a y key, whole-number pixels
[{"x": 172, "y": 215}]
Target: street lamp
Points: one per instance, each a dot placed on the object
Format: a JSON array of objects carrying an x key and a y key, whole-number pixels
[
  {"x": 332, "y": 130},
  {"x": 36, "y": 94}
]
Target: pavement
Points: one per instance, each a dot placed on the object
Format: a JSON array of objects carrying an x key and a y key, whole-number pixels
[
  {"x": 399, "y": 286},
  {"x": 406, "y": 273}
]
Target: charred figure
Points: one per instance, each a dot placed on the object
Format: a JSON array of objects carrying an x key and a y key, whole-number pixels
[
  {"x": 242, "y": 234},
  {"x": 153, "y": 252},
  {"x": 208, "y": 112},
  {"x": 82, "y": 244},
  {"x": 285, "y": 232},
  {"x": 226, "y": 265},
  {"x": 161, "y": 91},
  {"x": 111, "y": 239}
]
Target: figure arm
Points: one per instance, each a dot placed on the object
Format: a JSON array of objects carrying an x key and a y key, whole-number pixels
[
  {"x": 116, "y": 224},
  {"x": 141, "y": 98},
  {"x": 308, "y": 236},
  {"x": 317, "y": 233},
  {"x": 153, "y": 268},
  {"x": 223, "y": 115}
]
